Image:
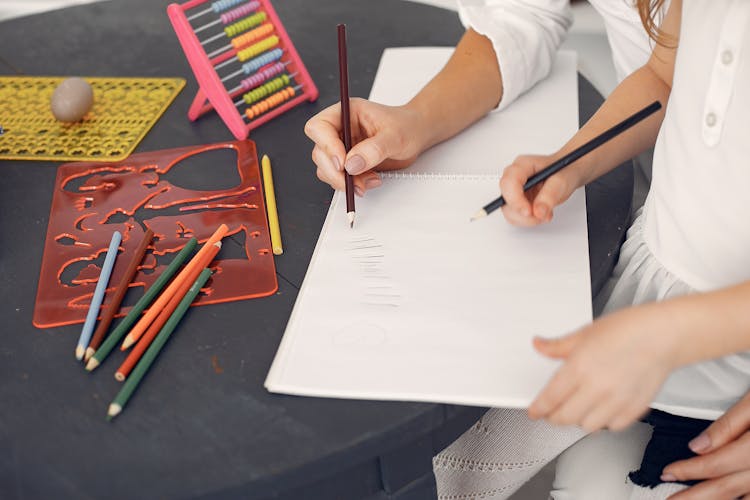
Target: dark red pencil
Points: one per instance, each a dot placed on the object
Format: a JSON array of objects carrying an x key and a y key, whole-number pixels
[
  {"x": 119, "y": 294},
  {"x": 346, "y": 128}
]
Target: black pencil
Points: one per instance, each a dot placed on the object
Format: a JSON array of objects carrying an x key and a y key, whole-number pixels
[
  {"x": 346, "y": 129},
  {"x": 574, "y": 155}
]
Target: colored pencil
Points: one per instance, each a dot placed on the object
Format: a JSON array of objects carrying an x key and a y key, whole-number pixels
[
  {"x": 96, "y": 300},
  {"x": 164, "y": 315},
  {"x": 121, "y": 329},
  {"x": 163, "y": 299},
  {"x": 148, "y": 358},
  {"x": 569, "y": 158},
  {"x": 346, "y": 126},
  {"x": 273, "y": 215},
  {"x": 122, "y": 287}
]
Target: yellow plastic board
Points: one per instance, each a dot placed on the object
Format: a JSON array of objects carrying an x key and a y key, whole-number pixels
[{"x": 124, "y": 110}]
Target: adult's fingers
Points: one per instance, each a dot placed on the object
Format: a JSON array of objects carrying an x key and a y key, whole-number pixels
[
  {"x": 327, "y": 171},
  {"x": 727, "y": 487},
  {"x": 371, "y": 152},
  {"x": 324, "y": 129},
  {"x": 727, "y": 428},
  {"x": 732, "y": 457}
]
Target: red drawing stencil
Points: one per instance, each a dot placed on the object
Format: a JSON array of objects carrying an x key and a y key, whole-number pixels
[{"x": 92, "y": 200}]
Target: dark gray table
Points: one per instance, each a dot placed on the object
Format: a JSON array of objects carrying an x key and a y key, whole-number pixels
[{"x": 203, "y": 432}]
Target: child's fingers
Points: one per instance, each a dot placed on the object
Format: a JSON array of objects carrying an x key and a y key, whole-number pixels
[
  {"x": 625, "y": 416},
  {"x": 324, "y": 129},
  {"x": 558, "y": 348},
  {"x": 574, "y": 408},
  {"x": 511, "y": 185},
  {"x": 554, "y": 191},
  {"x": 562, "y": 385},
  {"x": 596, "y": 419}
]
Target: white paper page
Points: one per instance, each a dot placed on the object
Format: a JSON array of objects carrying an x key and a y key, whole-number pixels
[
  {"x": 539, "y": 121},
  {"x": 416, "y": 303}
]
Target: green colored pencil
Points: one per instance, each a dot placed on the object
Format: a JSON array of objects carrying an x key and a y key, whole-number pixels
[
  {"x": 114, "y": 338},
  {"x": 153, "y": 350}
]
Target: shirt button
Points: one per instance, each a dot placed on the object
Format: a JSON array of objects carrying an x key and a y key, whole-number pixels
[
  {"x": 711, "y": 119},
  {"x": 727, "y": 57}
]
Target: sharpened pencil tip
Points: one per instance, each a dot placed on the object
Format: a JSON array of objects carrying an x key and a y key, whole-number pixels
[
  {"x": 127, "y": 343},
  {"x": 79, "y": 353},
  {"x": 92, "y": 364},
  {"x": 89, "y": 352},
  {"x": 350, "y": 216},
  {"x": 113, "y": 411},
  {"x": 478, "y": 215}
]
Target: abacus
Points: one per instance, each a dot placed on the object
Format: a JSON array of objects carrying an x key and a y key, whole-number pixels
[{"x": 253, "y": 43}]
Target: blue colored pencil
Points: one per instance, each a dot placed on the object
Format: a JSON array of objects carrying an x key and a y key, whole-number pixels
[{"x": 98, "y": 298}]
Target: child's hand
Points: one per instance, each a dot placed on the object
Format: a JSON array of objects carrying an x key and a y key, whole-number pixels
[
  {"x": 383, "y": 137},
  {"x": 536, "y": 205},
  {"x": 613, "y": 369}
]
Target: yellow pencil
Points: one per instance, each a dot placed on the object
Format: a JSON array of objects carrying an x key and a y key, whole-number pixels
[{"x": 273, "y": 216}]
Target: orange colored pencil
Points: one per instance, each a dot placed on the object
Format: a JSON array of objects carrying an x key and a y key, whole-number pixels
[
  {"x": 127, "y": 366},
  {"x": 167, "y": 294}
]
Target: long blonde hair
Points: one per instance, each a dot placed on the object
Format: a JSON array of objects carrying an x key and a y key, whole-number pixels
[{"x": 648, "y": 10}]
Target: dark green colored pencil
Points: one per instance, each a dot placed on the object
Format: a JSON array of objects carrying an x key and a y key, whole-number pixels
[{"x": 153, "y": 350}]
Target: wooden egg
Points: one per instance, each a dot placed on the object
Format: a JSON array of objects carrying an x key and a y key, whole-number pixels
[{"x": 72, "y": 99}]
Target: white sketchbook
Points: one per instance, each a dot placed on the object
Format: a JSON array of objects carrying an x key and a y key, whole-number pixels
[{"x": 417, "y": 303}]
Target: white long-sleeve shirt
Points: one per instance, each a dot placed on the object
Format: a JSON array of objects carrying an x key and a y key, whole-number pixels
[
  {"x": 527, "y": 33},
  {"x": 695, "y": 220}
]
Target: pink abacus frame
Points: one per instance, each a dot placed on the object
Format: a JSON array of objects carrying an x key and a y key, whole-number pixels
[{"x": 213, "y": 90}]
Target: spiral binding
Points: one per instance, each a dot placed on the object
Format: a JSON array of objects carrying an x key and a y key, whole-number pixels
[{"x": 424, "y": 176}]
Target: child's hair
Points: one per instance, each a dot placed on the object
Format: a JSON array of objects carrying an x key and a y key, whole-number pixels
[{"x": 647, "y": 10}]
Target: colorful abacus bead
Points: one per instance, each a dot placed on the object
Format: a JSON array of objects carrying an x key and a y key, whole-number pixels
[
  {"x": 221, "y": 5},
  {"x": 259, "y": 93},
  {"x": 262, "y": 76},
  {"x": 232, "y": 15},
  {"x": 246, "y": 24},
  {"x": 255, "y": 64},
  {"x": 273, "y": 101},
  {"x": 242, "y": 41},
  {"x": 258, "y": 48},
  {"x": 246, "y": 39},
  {"x": 216, "y": 7}
]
